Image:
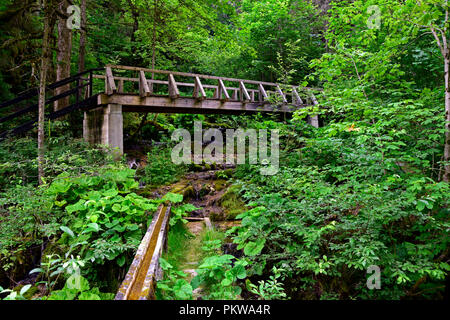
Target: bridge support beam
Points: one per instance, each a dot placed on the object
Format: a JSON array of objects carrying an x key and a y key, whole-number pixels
[
  {"x": 314, "y": 121},
  {"x": 104, "y": 126}
]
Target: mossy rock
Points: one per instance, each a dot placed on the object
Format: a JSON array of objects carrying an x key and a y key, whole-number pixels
[
  {"x": 220, "y": 184},
  {"x": 232, "y": 203},
  {"x": 205, "y": 190},
  {"x": 189, "y": 193},
  {"x": 146, "y": 192},
  {"x": 195, "y": 167},
  {"x": 217, "y": 215}
]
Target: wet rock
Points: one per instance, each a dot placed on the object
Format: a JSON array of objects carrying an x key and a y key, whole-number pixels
[{"x": 189, "y": 193}]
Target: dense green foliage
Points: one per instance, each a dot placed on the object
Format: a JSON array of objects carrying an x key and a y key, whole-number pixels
[{"x": 365, "y": 189}]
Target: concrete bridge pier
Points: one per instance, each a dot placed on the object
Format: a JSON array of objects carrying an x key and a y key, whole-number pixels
[
  {"x": 104, "y": 125},
  {"x": 314, "y": 121}
]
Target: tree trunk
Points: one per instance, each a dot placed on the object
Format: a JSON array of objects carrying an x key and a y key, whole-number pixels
[
  {"x": 42, "y": 85},
  {"x": 83, "y": 31},
  {"x": 63, "y": 56},
  {"x": 446, "y": 177}
]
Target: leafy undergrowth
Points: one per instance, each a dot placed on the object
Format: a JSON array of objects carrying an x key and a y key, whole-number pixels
[
  {"x": 84, "y": 227},
  {"x": 217, "y": 273},
  {"x": 338, "y": 207}
]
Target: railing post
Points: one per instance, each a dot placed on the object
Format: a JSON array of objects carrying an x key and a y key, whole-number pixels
[
  {"x": 91, "y": 78},
  {"x": 78, "y": 90}
]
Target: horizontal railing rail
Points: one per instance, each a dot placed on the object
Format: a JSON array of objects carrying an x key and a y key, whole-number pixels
[{"x": 82, "y": 82}]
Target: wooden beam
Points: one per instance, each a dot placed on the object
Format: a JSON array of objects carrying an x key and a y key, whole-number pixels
[
  {"x": 110, "y": 84},
  {"x": 283, "y": 97},
  {"x": 199, "y": 92},
  {"x": 296, "y": 100},
  {"x": 262, "y": 93},
  {"x": 179, "y": 84},
  {"x": 173, "y": 89},
  {"x": 313, "y": 98},
  {"x": 223, "y": 91},
  {"x": 244, "y": 93},
  {"x": 216, "y": 93},
  {"x": 159, "y": 104},
  {"x": 235, "y": 94},
  {"x": 314, "y": 120},
  {"x": 120, "y": 87},
  {"x": 144, "y": 90}
]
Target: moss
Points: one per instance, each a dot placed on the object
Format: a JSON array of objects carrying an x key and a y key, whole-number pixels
[
  {"x": 195, "y": 167},
  {"x": 207, "y": 166},
  {"x": 30, "y": 292},
  {"x": 189, "y": 193},
  {"x": 55, "y": 247},
  {"x": 217, "y": 215},
  {"x": 220, "y": 184},
  {"x": 146, "y": 192},
  {"x": 232, "y": 203},
  {"x": 206, "y": 189},
  {"x": 224, "y": 174}
]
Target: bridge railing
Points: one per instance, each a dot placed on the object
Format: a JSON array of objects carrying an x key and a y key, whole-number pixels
[
  {"x": 80, "y": 88},
  {"x": 246, "y": 91}
]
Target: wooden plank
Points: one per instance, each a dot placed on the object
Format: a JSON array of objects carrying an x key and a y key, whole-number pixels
[
  {"x": 262, "y": 93},
  {"x": 223, "y": 91},
  {"x": 120, "y": 87},
  {"x": 110, "y": 85},
  {"x": 164, "y": 104},
  {"x": 245, "y": 97},
  {"x": 144, "y": 90},
  {"x": 296, "y": 100},
  {"x": 283, "y": 97},
  {"x": 199, "y": 92},
  {"x": 173, "y": 89}
]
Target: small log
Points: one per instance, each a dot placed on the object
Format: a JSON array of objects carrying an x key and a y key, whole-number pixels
[
  {"x": 245, "y": 97},
  {"x": 262, "y": 93},
  {"x": 223, "y": 91},
  {"x": 281, "y": 94},
  {"x": 173, "y": 89},
  {"x": 296, "y": 100},
  {"x": 144, "y": 90},
  {"x": 110, "y": 84},
  {"x": 199, "y": 92}
]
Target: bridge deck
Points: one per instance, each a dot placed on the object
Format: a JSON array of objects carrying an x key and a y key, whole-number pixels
[
  {"x": 164, "y": 104},
  {"x": 173, "y": 92},
  {"x": 240, "y": 96}
]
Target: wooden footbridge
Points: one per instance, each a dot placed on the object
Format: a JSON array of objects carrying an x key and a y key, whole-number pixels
[{"x": 132, "y": 89}]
